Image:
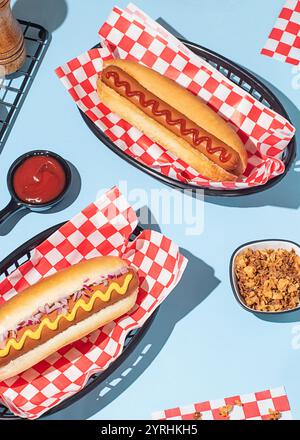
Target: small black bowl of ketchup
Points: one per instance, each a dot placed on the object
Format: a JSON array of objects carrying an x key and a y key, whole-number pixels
[{"x": 37, "y": 180}]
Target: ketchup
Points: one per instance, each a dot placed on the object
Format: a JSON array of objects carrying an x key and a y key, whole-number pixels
[
  {"x": 153, "y": 104},
  {"x": 39, "y": 179}
]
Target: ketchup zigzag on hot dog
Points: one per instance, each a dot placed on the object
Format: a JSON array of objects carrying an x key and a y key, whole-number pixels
[
  {"x": 173, "y": 117},
  {"x": 63, "y": 308}
]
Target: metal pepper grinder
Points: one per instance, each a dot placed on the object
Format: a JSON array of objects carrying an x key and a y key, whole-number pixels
[{"x": 12, "y": 48}]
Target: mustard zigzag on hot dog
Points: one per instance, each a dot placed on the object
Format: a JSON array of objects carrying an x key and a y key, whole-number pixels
[{"x": 53, "y": 325}]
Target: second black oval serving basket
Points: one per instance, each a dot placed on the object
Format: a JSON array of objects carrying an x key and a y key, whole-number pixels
[
  {"x": 246, "y": 81},
  {"x": 19, "y": 257}
]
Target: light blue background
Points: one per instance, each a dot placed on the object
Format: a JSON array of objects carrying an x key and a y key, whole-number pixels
[{"x": 203, "y": 344}]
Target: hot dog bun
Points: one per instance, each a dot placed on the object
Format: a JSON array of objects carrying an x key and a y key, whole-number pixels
[
  {"x": 52, "y": 289},
  {"x": 74, "y": 333},
  {"x": 178, "y": 98}
]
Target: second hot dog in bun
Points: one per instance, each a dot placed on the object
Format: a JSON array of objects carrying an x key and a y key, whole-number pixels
[
  {"x": 62, "y": 308},
  {"x": 174, "y": 118}
]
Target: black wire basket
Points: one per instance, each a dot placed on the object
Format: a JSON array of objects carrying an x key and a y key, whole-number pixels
[
  {"x": 246, "y": 81},
  {"x": 16, "y": 86},
  {"x": 19, "y": 257}
]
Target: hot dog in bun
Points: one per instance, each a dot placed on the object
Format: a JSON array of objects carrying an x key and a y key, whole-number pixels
[
  {"x": 173, "y": 117},
  {"x": 62, "y": 308}
]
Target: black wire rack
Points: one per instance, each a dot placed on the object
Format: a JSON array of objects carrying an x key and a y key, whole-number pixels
[
  {"x": 14, "y": 88},
  {"x": 19, "y": 257},
  {"x": 247, "y": 81}
]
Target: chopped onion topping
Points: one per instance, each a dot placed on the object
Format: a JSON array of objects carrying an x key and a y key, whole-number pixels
[{"x": 62, "y": 305}]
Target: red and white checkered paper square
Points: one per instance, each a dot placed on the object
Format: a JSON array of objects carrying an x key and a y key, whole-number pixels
[
  {"x": 103, "y": 228},
  {"x": 283, "y": 43},
  {"x": 254, "y": 406},
  {"x": 131, "y": 34}
]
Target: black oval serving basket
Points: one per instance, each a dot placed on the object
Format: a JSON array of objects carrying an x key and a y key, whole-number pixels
[
  {"x": 246, "y": 81},
  {"x": 23, "y": 254}
]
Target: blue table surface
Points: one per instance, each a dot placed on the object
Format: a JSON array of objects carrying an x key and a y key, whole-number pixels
[{"x": 202, "y": 345}]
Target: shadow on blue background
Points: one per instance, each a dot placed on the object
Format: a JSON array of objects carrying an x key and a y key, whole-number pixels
[
  {"x": 284, "y": 194},
  {"x": 48, "y": 13},
  {"x": 282, "y": 317}
]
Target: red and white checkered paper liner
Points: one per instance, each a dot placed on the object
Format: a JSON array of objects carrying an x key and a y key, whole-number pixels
[
  {"x": 130, "y": 34},
  {"x": 283, "y": 43},
  {"x": 255, "y": 406},
  {"x": 103, "y": 228}
]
